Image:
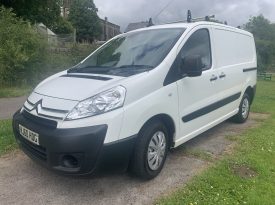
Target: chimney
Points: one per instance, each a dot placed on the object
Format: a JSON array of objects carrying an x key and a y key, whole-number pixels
[{"x": 105, "y": 28}]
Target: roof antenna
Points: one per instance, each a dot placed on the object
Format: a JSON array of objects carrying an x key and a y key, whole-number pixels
[{"x": 189, "y": 16}]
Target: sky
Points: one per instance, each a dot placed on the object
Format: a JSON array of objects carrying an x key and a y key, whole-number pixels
[{"x": 235, "y": 12}]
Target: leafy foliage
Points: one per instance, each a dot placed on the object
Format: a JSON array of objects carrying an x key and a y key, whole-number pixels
[
  {"x": 62, "y": 26},
  {"x": 261, "y": 27},
  {"x": 265, "y": 53},
  {"x": 83, "y": 16},
  {"x": 40, "y": 11},
  {"x": 58, "y": 61},
  {"x": 21, "y": 51},
  {"x": 264, "y": 33}
]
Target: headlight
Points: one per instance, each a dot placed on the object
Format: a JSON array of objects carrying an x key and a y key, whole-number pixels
[{"x": 98, "y": 104}]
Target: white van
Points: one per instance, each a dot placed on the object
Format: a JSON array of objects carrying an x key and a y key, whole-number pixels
[{"x": 137, "y": 96}]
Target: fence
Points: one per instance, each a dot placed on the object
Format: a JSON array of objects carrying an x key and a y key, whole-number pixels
[
  {"x": 56, "y": 41},
  {"x": 61, "y": 40}
]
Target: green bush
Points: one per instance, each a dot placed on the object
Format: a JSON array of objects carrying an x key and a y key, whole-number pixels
[
  {"x": 265, "y": 53},
  {"x": 264, "y": 33},
  {"x": 22, "y": 50},
  {"x": 57, "y": 61},
  {"x": 63, "y": 26}
]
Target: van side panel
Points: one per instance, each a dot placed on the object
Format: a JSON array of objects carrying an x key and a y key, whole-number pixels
[
  {"x": 161, "y": 101},
  {"x": 234, "y": 53},
  {"x": 233, "y": 48}
]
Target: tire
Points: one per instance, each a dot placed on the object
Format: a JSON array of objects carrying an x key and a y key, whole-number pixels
[
  {"x": 244, "y": 109},
  {"x": 140, "y": 166}
]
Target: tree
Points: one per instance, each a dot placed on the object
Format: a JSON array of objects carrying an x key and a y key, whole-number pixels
[
  {"x": 261, "y": 28},
  {"x": 40, "y": 11},
  {"x": 63, "y": 26},
  {"x": 264, "y": 34},
  {"x": 83, "y": 16},
  {"x": 22, "y": 50}
]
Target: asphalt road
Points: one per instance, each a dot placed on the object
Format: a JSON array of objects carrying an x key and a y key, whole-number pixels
[
  {"x": 8, "y": 106},
  {"x": 22, "y": 181}
]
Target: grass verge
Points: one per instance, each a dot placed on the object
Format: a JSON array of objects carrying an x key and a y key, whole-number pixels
[
  {"x": 7, "y": 140},
  {"x": 223, "y": 183},
  {"x": 200, "y": 154},
  {"x": 6, "y": 92}
]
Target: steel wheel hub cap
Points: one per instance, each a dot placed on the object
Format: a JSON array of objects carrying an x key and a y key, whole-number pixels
[
  {"x": 156, "y": 150},
  {"x": 245, "y": 108}
]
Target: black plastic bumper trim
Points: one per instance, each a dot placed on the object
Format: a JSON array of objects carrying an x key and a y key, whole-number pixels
[
  {"x": 38, "y": 151},
  {"x": 115, "y": 156},
  {"x": 86, "y": 144},
  {"x": 40, "y": 121},
  {"x": 211, "y": 107},
  {"x": 249, "y": 69}
]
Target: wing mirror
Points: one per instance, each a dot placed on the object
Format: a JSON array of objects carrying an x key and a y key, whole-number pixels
[{"x": 191, "y": 66}]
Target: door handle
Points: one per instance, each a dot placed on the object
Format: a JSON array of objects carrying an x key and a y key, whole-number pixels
[
  {"x": 213, "y": 78},
  {"x": 222, "y": 75}
]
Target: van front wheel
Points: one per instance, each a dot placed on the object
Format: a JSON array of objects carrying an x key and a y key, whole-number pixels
[
  {"x": 244, "y": 109},
  {"x": 150, "y": 151}
]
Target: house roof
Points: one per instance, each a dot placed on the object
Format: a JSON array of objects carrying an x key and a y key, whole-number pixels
[
  {"x": 108, "y": 22},
  {"x": 137, "y": 25}
]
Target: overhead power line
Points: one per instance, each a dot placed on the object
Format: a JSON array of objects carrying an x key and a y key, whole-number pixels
[{"x": 165, "y": 7}]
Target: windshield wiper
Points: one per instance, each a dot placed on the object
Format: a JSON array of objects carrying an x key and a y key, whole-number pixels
[
  {"x": 111, "y": 70},
  {"x": 72, "y": 70},
  {"x": 89, "y": 69}
]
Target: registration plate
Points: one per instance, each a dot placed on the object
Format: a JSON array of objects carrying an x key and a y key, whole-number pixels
[{"x": 29, "y": 135}]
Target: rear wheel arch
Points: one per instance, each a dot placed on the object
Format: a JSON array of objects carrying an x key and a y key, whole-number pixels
[
  {"x": 244, "y": 109},
  {"x": 250, "y": 92}
]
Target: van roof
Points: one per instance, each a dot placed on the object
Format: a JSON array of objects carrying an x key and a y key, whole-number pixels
[{"x": 192, "y": 25}]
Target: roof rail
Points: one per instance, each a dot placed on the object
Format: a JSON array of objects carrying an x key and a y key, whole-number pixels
[
  {"x": 192, "y": 20},
  {"x": 205, "y": 18}
]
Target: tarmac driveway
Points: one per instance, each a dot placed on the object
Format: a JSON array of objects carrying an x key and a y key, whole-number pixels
[
  {"x": 22, "y": 181},
  {"x": 8, "y": 106}
]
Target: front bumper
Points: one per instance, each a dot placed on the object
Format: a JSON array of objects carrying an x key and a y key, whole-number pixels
[{"x": 75, "y": 151}]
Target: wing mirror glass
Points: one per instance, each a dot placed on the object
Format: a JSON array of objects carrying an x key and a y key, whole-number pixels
[{"x": 192, "y": 66}]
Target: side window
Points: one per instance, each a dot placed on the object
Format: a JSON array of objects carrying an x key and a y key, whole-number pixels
[{"x": 198, "y": 44}]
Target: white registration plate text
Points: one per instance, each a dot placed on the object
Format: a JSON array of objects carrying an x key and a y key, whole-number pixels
[{"x": 29, "y": 135}]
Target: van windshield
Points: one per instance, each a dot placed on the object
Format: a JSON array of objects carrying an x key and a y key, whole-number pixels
[{"x": 131, "y": 53}]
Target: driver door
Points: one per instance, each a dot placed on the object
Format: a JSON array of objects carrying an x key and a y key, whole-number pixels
[{"x": 196, "y": 94}]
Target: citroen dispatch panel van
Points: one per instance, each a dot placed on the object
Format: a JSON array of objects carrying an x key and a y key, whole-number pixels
[{"x": 137, "y": 96}]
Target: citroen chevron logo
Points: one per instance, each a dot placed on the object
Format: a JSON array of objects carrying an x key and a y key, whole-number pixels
[{"x": 35, "y": 106}]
